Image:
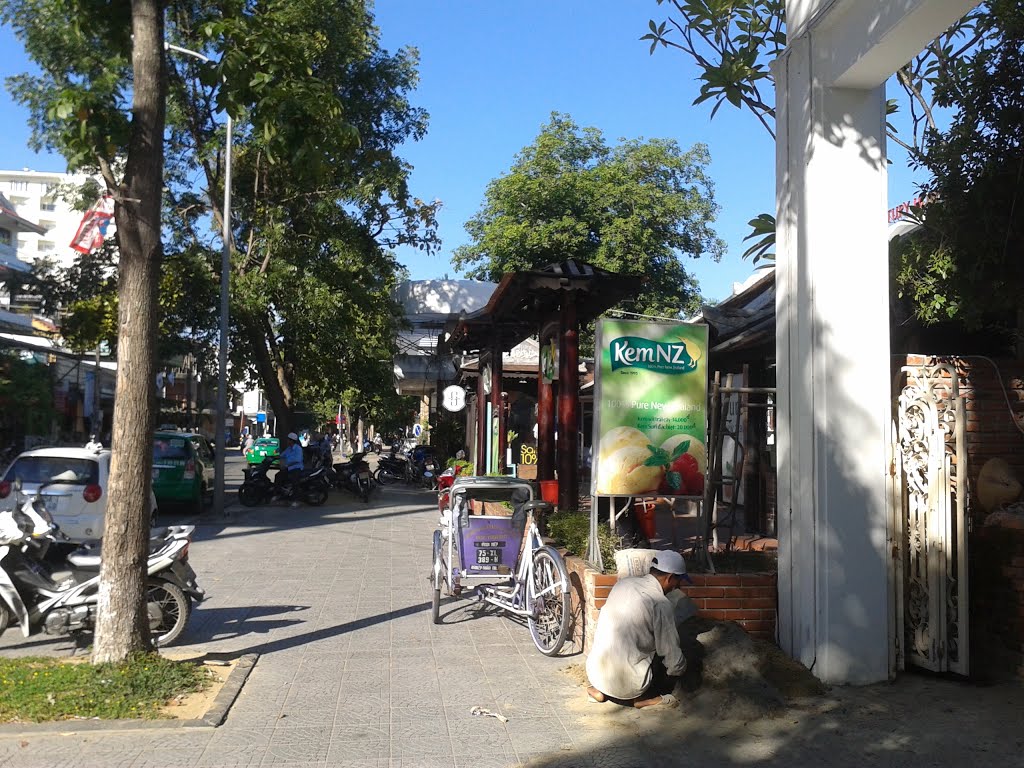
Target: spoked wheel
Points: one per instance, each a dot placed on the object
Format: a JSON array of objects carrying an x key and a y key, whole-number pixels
[
  {"x": 385, "y": 477},
  {"x": 435, "y": 578},
  {"x": 316, "y": 497},
  {"x": 168, "y": 609},
  {"x": 548, "y": 596}
]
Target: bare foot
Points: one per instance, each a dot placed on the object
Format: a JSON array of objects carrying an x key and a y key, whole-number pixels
[
  {"x": 596, "y": 695},
  {"x": 654, "y": 701}
]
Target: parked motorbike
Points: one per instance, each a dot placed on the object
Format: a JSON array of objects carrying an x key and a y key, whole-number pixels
[
  {"x": 390, "y": 469},
  {"x": 422, "y": 468},
  {"x": 62, "y": 599},
  {"x": 353, "y": 476},
  {"x": 258, "y": 488}
]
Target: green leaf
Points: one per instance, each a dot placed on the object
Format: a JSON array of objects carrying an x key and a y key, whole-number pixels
[
  {"x": 674, "y": 480},
  {"x": 680, "y": 449}
]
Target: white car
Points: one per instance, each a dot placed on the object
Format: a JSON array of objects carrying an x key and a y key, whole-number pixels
[{"x": 76, "y": 494}]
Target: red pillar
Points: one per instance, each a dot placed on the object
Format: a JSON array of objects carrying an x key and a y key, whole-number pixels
[
  {"x": 480, "y": 462},
  {"x": 496, "y": 409},
  {"x": 545, "y": 421},
  {"x": 568, "y": 403}
]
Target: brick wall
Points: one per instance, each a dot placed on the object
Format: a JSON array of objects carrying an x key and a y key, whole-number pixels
[{"x": 748, "y": 599}]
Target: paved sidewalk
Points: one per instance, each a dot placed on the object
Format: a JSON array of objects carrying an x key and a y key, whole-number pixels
[{"x": 352, "y": 673}]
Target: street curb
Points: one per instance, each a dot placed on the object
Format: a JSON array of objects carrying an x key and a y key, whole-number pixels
[{"x": 214, "y": 716}]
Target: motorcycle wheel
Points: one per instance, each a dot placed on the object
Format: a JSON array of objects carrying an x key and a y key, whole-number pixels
[
  {"x": 249, "y": 495},
  {"x": 316, "y": 497},
  {"x": 168, "y": 609},
  {"x": 364, "y": 492},
  {"x": 384, "y": 477}
]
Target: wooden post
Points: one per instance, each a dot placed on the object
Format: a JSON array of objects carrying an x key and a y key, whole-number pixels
[
  {"x": 496, "y": 409},
  {"x": 568, "y": 402},
  {"x": 480, "y": 461},
  {"x": 545, "y": 421}
]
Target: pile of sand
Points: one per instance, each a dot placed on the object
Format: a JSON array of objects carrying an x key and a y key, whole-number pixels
[{"x": 731, "y": 675}]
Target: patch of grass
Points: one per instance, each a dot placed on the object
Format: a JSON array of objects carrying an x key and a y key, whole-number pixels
[{"x": 38, "y": 689}]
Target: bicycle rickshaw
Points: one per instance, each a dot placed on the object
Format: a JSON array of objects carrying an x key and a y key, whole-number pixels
[{"x": 489, "y": 542}]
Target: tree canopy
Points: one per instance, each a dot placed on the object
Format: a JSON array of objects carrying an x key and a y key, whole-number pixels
[
  {"x": 637, "y": 207},
  {"x": 965, "y": 261},
  {"x": 320, "y": 194}
]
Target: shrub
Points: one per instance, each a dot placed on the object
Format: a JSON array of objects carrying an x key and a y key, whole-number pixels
[{"x": 572, "y": 530}]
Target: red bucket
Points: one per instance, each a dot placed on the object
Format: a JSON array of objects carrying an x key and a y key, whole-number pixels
[
  {"x": 645, "y": 518},
  {"x": 549, "y": 491}
]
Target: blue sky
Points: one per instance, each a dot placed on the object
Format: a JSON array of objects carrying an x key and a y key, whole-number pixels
[{"x": 491, "y": 74}]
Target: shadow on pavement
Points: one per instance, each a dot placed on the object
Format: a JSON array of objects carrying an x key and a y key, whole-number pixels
[{"x": 285, "y": 643}]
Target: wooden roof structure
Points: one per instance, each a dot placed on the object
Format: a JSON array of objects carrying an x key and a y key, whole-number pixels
[{"x": 523, "y": 300}]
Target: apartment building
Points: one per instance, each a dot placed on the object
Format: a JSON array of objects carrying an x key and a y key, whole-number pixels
[{"x": 33, "y": 195}]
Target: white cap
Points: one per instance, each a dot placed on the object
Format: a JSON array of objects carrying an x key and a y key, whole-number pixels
[
  {"x": 293, "y": 436},
  {"x": 670, "y": 561}
]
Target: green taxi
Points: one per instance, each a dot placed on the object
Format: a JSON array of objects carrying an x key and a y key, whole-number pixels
[
  {"x": 263, "y": 448},
  {"x": 183, "y": 469}
]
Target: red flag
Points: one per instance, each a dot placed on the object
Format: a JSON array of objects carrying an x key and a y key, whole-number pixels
[{"x": 95, "y": 226}]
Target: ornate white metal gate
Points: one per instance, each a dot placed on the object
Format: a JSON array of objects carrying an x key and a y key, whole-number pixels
[{"x": 929, "y": 495}]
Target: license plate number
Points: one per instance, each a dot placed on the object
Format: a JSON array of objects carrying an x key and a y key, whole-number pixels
[
  {"x": 364, "y": 475},
  {"x": 488, "y": 556},
  {"x": 52, "y": 503}
]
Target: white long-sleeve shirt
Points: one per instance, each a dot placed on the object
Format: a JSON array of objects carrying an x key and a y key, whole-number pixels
[{"x": 635, "y": 623}]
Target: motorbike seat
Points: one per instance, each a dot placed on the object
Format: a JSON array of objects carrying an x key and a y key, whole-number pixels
[{"x": 87, "y": 556}]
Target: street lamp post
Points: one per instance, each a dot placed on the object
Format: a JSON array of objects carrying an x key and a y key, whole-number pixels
[{"x": 225, "y": 272}]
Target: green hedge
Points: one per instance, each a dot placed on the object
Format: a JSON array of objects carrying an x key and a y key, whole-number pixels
[{"x": 572, "y": 531}]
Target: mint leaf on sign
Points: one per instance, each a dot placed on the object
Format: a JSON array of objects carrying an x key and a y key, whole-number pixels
[
  {"x": 674, "y": 480},
  {"x": 680, "y": 449},
  {"x": 658, "y": 457}
]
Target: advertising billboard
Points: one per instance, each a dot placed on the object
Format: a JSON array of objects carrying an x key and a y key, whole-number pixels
[{"x": 650, "y": 425}]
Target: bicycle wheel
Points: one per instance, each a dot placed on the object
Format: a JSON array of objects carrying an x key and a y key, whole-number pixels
[
  {"x": 548, "y": 596},
  {"x": 435, "y": 577}
]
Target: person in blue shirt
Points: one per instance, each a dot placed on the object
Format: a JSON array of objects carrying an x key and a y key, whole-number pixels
[{"x": 291, "y": 459}]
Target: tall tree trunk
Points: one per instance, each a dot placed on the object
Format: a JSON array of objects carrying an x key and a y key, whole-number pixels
[
  {"x": 278, "y": 381},
  {"x": 121, "y": 624}
]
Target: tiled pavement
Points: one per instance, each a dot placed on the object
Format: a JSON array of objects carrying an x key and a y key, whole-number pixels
[{"x": 352, "y": 672}]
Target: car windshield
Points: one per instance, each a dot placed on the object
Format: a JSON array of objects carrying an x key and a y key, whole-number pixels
[
  {"x": 169, "y": 448},
  {"x": 54, "y": 469},
  {"x": 266, "y": 441}
]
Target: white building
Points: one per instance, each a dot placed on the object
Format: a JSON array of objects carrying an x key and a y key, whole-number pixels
[{"x": 33, "y": 195}]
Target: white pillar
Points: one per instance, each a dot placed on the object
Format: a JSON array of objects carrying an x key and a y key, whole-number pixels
[{"x": 833, "y": 370}]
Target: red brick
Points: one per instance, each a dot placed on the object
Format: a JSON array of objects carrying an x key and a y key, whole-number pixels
[
  {"x": 742, "y": 613},
  {"x": 721, "y": 580},
  {"x": 599, "y": 602},
  {"x": 760, "y": 602},
  {"x": 758, "y": 580},
  {"x": 602, "y": 592},
  {"x": 716, "y": 615},
  {"x": 695, "y": 593},
  {"x": 605, "y": 579},
  {"x": 714, "y": 604}
]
